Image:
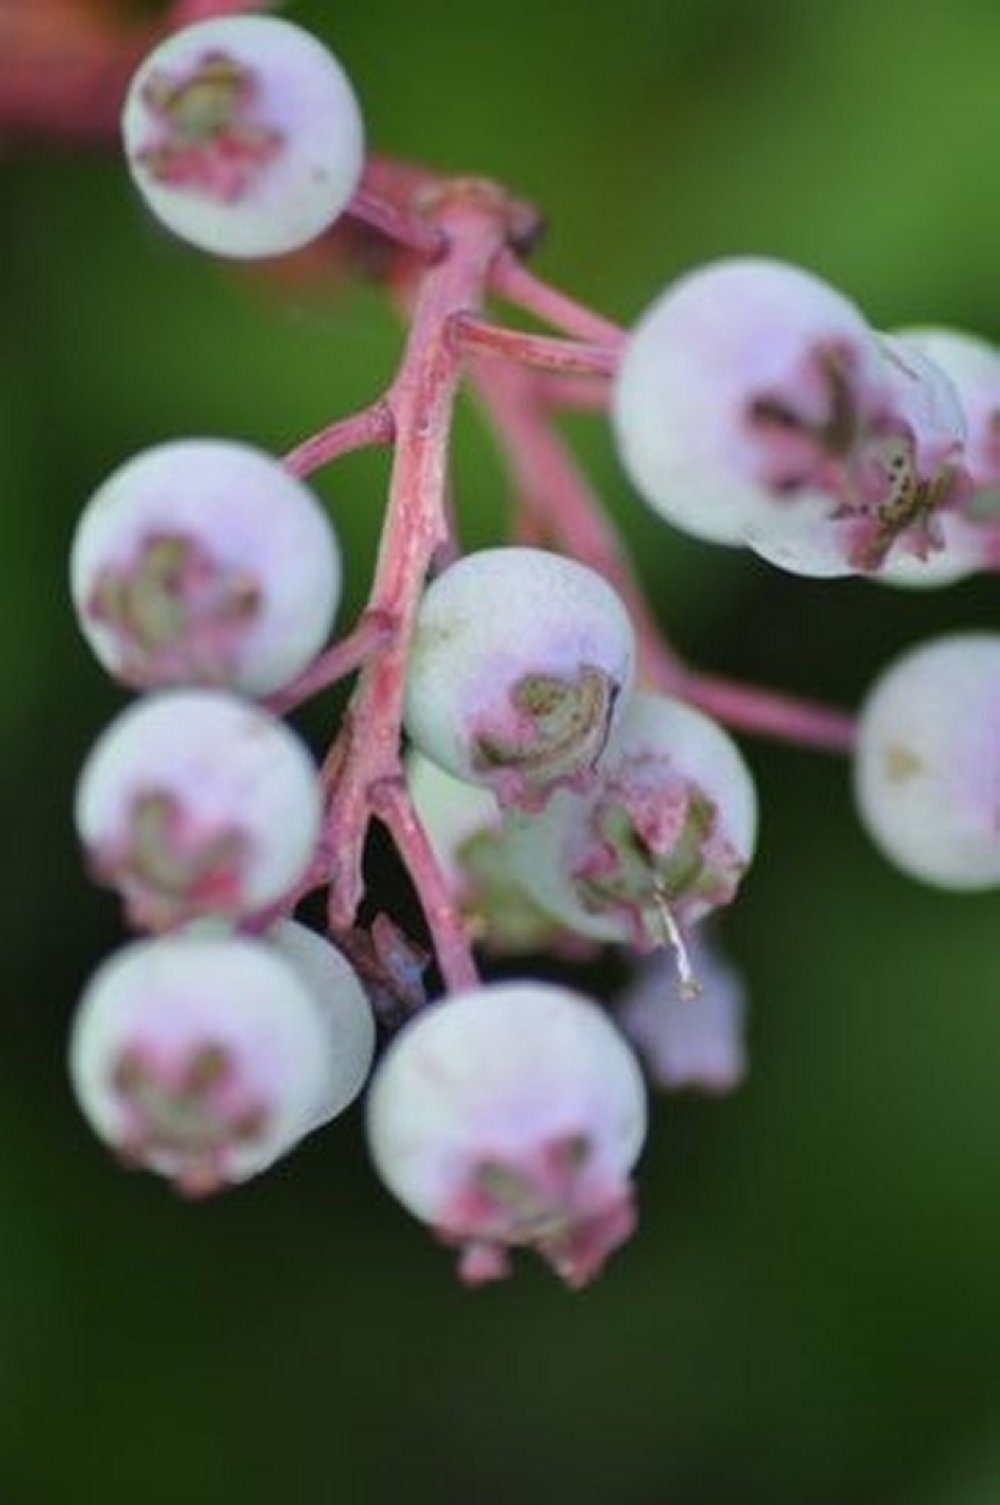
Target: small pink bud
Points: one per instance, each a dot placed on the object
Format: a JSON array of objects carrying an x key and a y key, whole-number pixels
[
  {"x": 193, "y": 803},
  {"x": 201, "y": 1057},
  {"x": 203, "y": 561},
  {"x": 510, "y": 1116},
  {"x": 243, "y": 135}
]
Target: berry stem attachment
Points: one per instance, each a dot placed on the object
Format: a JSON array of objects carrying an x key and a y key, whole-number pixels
[
  {"x": 393, "y": 807},
  {"x": 407, "y": 230},
  {"x": 558, "y": 501},
  {"x": 365, "y": 429},
  {"x": 563, "y": 357},
  {"x": 373, "y": 632},
  {"x": 512, "y": 281},
  {"x": 752, "y": 708}
]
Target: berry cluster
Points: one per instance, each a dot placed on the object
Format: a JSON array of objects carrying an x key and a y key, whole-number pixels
[{"x": 553, "y": 777}]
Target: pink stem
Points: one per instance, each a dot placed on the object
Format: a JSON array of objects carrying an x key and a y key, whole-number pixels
[
  {"x": 396, "y": 224},
  {"x": 366, "y": 753},
  {"x": 392, "y": 805},
  {"x": 552, "y": 489},
  {"x": 372, "y": 425},
  {"x": 373, "y": 632},
  {"x": 581, "y": 394},
  {"x": 554, "y": 492},
  {"x": 751, "y": 708},
  {"x": 565, "y": 357},
  {"x": 512, "y": 281}
]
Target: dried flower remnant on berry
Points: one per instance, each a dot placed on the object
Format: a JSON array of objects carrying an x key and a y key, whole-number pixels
[
  {"x": 178, "y": 614},
  {"x": 664, "y": 837},
  {"x": 208, "y": 138}
]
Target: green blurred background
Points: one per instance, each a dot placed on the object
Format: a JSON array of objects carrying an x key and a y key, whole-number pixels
[{"x": 811, "y": 1311}]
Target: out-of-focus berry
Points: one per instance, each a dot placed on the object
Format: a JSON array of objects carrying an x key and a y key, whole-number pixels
[
  {"x": 466, "y": 829},
  {"x": 193, "y": 803},
  {"x": 201, "y": 1057},
  {"x": 927, "y": 767},
  {"x": 510, "y": 1116},
  {"x": 203, "y": 561},
  {"x": 521, "y": 665},
  {"x": 344, "y": 1008},
  {"x": 244, "y": 136},
  {"x": 664, "y": 837},
  {"x": 685, "y": 1040}
]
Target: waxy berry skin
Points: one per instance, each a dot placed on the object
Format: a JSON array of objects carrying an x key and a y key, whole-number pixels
[
  {"x": 194, "y": 804},
  {"x": 927, "y": 764},
  {"x": 203, "y": 1057},
  {"x": 510, "y": 1116},
  {"x": 521, "y": 667},
  {"x": 202, "y": 561},
  {"x": 243, "y": 135}
]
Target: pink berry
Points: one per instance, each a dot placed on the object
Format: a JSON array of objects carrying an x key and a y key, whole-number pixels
[
  {"x": 203, "y": 1057},
  {"x": 510, "y": 1116},
  {"x": 202, "y": 561},
  {"x": 193, "y": 803},
  {"x": 243, "y": 135}
]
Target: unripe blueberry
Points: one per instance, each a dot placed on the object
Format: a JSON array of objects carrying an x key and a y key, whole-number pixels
[
  {"x": 201, "y": 1057},
  {"x": 466, "y": 829},
  {"x": 243, "y": 135},
  {"x": 664, "y": 836},
  {"x": 510, "y": 1116},
  {"x": 521, "y": 665},
  {"x": 343, "y": 1007},
  {"x": 202, "y": 561},
  {"x": 754, "y": 405},
  {"x": 193, "y": 803},
  {"x": 737, "y": 385},
  {"x": 927, "y": 766},
  {"x": 685, "y": 1040}
]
